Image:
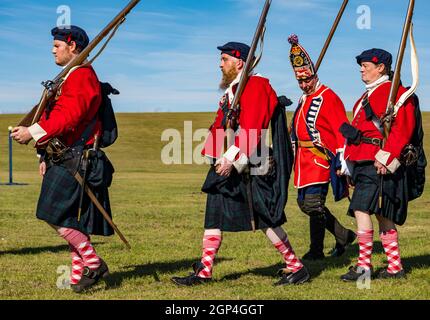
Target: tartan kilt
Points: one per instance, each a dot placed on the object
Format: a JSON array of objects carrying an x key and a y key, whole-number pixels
[
  {"x": 59, "y": 203},
  {"x": 229, "y": 211},
  {"x": 366, "y": 193}
]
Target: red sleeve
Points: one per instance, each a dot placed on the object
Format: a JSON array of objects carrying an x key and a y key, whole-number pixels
[
  {"x": 257, "y": 104},
  {"x": 80, "y": 95},
  {"x": 337, "y": 116}
]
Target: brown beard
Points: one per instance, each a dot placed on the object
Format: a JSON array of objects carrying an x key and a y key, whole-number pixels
[{"x": 227, "y": 78}]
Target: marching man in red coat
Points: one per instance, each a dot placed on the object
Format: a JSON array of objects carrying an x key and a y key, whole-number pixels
[
  {"x": 318, "y": 151},
  {"x": 376, "y": 167},
  {"x": 234, "y": 196},
  {"x": 71, "y": 120}
]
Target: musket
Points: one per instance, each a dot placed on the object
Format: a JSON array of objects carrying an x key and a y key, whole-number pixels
[
  {"x": 250, "y": 64},
  {"x": 331, "y": 33},
  {"x": 327, "y": 44},
  {"x": 395, "y": 83},
  {"x": 52, "y": 86}
]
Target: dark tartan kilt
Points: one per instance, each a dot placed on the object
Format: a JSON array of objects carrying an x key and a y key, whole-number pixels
[
  {"x": 232, "y": 213},
  {"x": 59, "y": 203},
  {"x": 366, "y": 193}
]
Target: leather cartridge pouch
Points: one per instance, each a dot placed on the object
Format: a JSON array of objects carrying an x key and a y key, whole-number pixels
[
  {"x": 59, "y": 154},
  {"x": 409, "y": 155}
]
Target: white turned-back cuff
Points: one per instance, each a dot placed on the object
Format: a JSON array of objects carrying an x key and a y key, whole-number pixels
[
  {"x": 231, "y": 153},
  {"x": 383, "y": 156},
  {"x": 241, "y": 163},
  {"x": 37, "y": 132}
]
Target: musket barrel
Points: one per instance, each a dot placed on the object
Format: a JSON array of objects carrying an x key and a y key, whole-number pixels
[
  {"x": 246, "y": 70},
  {"x": 249, "y": 60},
  {"x": 397, "y": 71},
  {"x": 85, "y": 53},
  {"x": 330, "y": 36}
]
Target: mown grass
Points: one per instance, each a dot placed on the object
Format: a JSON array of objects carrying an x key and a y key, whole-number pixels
[{"x": 160, "y": 209}]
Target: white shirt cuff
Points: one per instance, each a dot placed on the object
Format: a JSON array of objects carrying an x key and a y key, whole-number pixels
[
  {"x": 37, "y": 132},
  {"x": 382, "y": 156},
  {"x": 231, "y": 153}
]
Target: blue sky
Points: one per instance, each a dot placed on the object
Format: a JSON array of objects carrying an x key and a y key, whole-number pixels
[{"x": 164, "y": 58}]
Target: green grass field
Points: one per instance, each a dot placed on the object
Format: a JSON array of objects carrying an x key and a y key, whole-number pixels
[{"x": 160, "y": 209}]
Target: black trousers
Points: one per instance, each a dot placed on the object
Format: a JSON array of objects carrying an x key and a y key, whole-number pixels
[{"x": 311, "y": 201}]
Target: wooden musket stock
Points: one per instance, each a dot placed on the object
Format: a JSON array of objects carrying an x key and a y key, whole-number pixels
[
  {"x": 395, "y": 83},
  {"x": 249, "y": 65}
]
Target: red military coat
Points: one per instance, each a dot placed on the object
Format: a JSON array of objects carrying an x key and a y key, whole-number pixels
[
  {"x": 317, "y": 119},
  {"x": 401, "y": 129},
  {"x": 257, "y": 103},
  {"x": 75, "y": 108}
]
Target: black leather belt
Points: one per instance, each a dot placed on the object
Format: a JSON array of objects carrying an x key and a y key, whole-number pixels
[{"x": 374, "y": 141}]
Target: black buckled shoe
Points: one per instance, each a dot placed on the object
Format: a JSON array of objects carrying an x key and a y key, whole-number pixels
[
  {"x": 313, "y": 256},
  {"x": 193, "y": 278},
  {"x": 91, "y": 277},
  {"x": 384, "y": 274},
  {"x": 340, "y": 249},
  {"x": 288, "y": 277},
  {"x": 337, "y": 251},
  {"x": 351, "y": 237},
  {"x": 355, "y": 272}
]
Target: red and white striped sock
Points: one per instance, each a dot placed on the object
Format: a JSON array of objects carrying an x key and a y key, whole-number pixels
[
  {"x": 390, "y": 242},
  {"x": 284, "y": 247},
  {"x": 82, "y": 244},
  {"x": 77, "y": 266},
  {"x": 211, "y": 244},
  {"x": 365, "y": 243},
  {"x": 88, "y": 254}
]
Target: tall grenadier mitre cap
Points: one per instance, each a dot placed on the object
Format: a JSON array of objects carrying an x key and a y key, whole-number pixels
[{"x": 301, "y": 62}]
